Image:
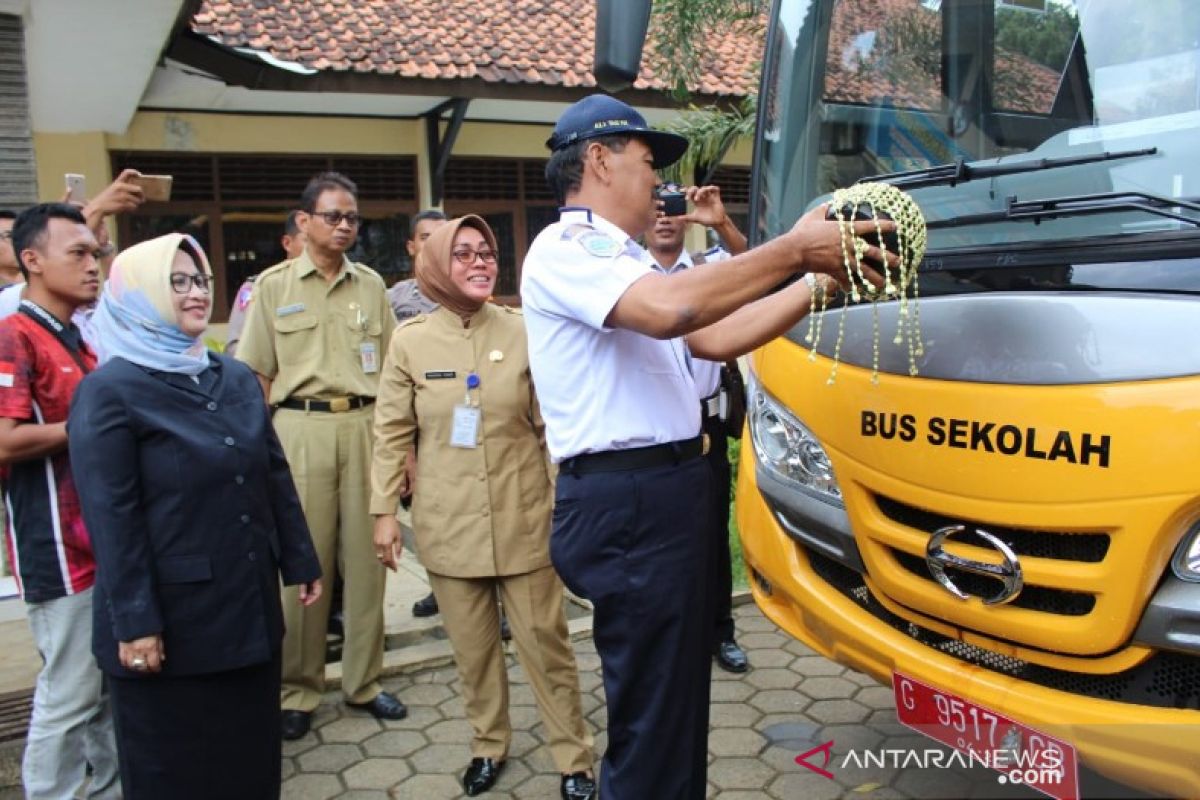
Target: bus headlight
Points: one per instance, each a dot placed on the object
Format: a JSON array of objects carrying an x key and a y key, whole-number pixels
[
  {"x": 786, "y": 447},
  {"x": 1186, "y": 562}
]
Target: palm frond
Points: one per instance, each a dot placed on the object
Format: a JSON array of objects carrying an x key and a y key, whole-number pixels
[
  {"x": 711, "y": 131},
  {"x": 679, "y": 30}
]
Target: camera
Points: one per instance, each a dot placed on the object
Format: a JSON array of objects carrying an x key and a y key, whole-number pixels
[{"x": 673, "y": 198}]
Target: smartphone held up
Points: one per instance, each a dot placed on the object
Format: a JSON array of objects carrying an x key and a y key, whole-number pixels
[{"x": 674, "y": 200}]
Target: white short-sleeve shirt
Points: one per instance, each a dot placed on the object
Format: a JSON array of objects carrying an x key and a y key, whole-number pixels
[
  {"x": 707, "y": 374},
  {"x": 599, "y": 388}
]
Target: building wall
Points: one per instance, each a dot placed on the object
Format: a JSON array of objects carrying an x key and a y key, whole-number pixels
[
  {"x": 87, "y": 153},
  {"x": 60, "y": 153},
  {"x": 158, "y": 132}
]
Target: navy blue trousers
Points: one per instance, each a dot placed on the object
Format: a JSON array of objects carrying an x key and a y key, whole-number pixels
[
  {"x": 637, "y": 544},
  {"x": 722, "y": 559}
]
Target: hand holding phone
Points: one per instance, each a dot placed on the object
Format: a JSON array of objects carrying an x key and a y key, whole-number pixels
[
  {"x": 155, "y": 188},
  {"x": 674, "y": 201},
  {"x": 76, "y": 188}
]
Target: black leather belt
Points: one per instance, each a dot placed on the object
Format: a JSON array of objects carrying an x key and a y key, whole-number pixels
[
  {"x": 656, "y": 455},
  {"x": 338, "y": 405}
]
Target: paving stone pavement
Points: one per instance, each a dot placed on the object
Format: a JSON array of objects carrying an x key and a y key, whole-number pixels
[{"x": 791, "y": 701}]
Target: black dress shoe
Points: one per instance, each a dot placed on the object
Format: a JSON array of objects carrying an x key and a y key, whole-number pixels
[
  {"x": 383, "y": 706},
  {"x": 295, "y": 724},
  {"x": 731, "y": 658},
  {"x": 578, "y": 786},
  {"x": 481, "y": 775},
  {"x": 337, "y": 624},
  {"x": 425, "y": 607}
]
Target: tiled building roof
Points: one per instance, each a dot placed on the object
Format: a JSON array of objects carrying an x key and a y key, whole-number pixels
[{"x": 548, "y": 42}]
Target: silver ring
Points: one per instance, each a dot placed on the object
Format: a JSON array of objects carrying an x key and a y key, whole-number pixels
[{"x": 138, "y": 663}]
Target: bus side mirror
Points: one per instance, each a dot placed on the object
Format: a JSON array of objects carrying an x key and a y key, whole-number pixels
[{"x": 620, "y": 33}]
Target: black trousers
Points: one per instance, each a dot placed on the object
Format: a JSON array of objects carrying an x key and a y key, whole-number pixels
[
  {"x": 636, "y": 543},
  {"x": 199, "y": 736},
  {"x": 722, "y": 561}
]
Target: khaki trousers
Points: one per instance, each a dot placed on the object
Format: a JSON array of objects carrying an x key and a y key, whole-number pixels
[
  {"x": 534, "y": 605},
  {"x": 330, "y": 458}
]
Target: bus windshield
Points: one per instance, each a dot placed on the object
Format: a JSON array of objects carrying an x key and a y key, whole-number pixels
[{"x": 859, "y": 88}]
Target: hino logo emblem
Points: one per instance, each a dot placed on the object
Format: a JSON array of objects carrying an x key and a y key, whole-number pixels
[{"x": 1008, "y": 571}]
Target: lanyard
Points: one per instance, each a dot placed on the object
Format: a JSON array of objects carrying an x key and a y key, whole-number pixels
[
  {"x": 472, "y": 383},
  {"x": 59, "y": 331}
]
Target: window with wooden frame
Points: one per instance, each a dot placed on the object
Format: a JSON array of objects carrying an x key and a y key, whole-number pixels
[
  {"x": 511, "y": 194},
  {"x": 235, "y": 205},
  {"x": 734, "y": 183}
]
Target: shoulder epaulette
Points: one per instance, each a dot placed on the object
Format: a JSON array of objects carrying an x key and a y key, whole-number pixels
[
  {"x": 574, "y": 229},
  {"x": 370, "y": 271},
  {"x": 280, "y": 267},
  {"x": 411, "y": 321}
]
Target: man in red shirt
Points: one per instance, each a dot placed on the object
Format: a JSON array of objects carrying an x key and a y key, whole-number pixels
[{"x": 42, "y": 360}]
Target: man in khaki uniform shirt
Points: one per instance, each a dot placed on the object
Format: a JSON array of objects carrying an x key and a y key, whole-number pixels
[
  {"x": 316, "y": 332},
  {"x": 292, "y": 242}
]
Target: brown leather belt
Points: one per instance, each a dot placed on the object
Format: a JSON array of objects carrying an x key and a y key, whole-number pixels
[{"x": 338, "y": 405}]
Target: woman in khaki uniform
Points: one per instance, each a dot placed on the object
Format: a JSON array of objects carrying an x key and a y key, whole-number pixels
[{"x": 456, "y": 383}]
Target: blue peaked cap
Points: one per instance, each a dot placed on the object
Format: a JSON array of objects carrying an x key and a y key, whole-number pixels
[{"x": 601, "y": 115}]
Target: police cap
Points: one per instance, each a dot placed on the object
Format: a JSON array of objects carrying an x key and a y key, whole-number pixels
[{"x": 601, "y": 115}]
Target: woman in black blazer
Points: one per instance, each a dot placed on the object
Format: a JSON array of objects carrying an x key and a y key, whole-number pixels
[{"x": 194, "y": 519}]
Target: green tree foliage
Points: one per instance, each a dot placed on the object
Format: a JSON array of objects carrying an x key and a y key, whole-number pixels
[
  {"x": 678, "y": 29},
  {"x": 1043, "y": 38},
  {"x": 711, "y": 131}
]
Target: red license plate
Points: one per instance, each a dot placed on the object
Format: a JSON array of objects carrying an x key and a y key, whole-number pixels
[{"x": 985, "y": 738}]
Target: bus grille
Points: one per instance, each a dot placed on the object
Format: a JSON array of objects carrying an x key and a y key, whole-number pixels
[
  {"x": 1165, "y": 680},
  {"x": 1036, "y": 598},
  {"x": 1085, "y": 547}
]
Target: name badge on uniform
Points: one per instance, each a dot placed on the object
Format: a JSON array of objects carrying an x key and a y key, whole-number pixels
[
  {"x": 370, "y": 357},
  {"x": 440, "y": 374},
  {"x": 294, "y": 308},
  {"x": 465, "y": 430}
]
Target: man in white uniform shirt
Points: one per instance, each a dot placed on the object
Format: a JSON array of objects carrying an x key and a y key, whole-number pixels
[
  {"x": 664, "y": 244},
  {"x": 608, "y": 357}
]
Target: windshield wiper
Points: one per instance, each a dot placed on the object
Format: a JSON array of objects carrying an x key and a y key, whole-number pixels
[
  {"x": 1076, "y": 206},
  {"x": 962, "y": 172}
]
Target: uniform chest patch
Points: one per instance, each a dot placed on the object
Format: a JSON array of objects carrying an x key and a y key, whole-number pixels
[
  {"x": 243, "y": 297},
  {"x": 599, "y": 245}
]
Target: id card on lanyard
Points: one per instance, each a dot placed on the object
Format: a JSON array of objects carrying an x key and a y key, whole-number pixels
[
  {"x": 464, "y": 432},
  {"x": 368, "y": 352}
]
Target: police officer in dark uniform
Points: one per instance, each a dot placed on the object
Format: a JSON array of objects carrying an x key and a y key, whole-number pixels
[{"x": 610, "y": 341}]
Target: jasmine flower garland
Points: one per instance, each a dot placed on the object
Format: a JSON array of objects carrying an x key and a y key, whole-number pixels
[{"x": 875, "y": 201}]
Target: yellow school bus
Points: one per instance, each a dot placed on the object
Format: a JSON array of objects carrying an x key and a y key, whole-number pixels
[{"x": 1010, "y": 538}]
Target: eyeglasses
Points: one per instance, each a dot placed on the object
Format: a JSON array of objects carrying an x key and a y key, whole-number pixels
[
  {"x": 469, "y": 256},
  {"x": 182, "y": 283},
  {"x": 334, "y": 218}
]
